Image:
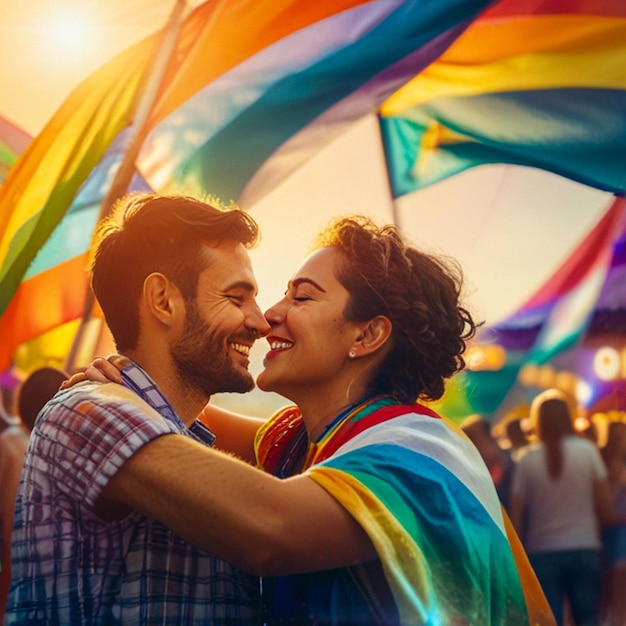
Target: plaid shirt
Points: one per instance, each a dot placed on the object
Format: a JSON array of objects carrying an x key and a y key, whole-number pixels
[{"x": 69, "y": 566}]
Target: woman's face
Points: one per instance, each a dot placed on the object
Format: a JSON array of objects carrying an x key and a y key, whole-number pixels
[{"x": 310, "y": 338}]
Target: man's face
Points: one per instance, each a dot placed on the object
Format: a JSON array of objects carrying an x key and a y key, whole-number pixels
[{"x": 221, "y": 324}]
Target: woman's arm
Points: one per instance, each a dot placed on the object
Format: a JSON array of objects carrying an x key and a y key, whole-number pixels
[
  {"x": 235, "y": 433},
  {"x": 253, "y": 520},
  {"x": 603, "y": 498}
]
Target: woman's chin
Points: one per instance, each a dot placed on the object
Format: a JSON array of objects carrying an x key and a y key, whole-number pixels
[
  {"x": 273, "y": 384},
  {"x": 264, "y": 382}
]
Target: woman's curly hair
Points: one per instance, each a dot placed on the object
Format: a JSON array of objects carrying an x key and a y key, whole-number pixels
[{"x": 418, "y": 292}]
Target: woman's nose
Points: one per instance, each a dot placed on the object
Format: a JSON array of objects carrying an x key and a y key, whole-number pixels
[
  {"x": 274, "y": 315},
  {"x": 258, "y": 321}
]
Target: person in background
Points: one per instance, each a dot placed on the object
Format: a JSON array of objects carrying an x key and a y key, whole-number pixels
[
  {"x": 174, "y": 280},
  {"x": 517, "y": 437},
  {"x": 560, "y": 499},
  {"x": 497, "y": 460},
  {"x": 13, "y": 442},
  {"x": 614, "y": 536},
  {"x": 371, "y": 508},
  {"x": 38, "y": 387}
]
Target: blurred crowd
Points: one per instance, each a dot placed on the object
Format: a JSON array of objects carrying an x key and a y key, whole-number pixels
[{"x": 561, "y": 477}]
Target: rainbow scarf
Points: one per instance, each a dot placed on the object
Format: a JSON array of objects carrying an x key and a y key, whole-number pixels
[{"x": 421, "y": 491}]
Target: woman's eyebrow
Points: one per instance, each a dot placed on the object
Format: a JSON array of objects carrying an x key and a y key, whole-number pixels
[{"x": 310, "y": 281}]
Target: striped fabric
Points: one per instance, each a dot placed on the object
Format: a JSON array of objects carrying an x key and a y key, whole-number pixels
[
  {"x": 584, "y": 297},
  {"x": 247, "y": 81},
  {"x": 303, "y": 72},
  {"x": 538, "y": 83},
  {"x": 13, "y": 142},
  {"x": 423, "y": 494}
]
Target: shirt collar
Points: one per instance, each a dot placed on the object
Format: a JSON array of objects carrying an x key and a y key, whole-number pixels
[{"x": 137, "y": 380}]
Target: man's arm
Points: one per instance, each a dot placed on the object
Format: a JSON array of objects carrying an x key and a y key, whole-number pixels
[{"x": 224, "y": 506}]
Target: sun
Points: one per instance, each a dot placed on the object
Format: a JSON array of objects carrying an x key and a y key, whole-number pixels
[{"x": 68, "y": 33}]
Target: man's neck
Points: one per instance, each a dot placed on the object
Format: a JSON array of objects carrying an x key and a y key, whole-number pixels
[{"x": 186, "y": 402}]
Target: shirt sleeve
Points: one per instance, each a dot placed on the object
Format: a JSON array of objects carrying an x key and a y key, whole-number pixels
[
  {"x": 599, "y": 468},
  {"x": 87, "y": 434},
  {"x": 518, "y": 480}
]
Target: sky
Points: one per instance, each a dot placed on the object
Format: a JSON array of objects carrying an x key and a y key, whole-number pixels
[
  {"x": 509, "y": 227},
  {"x": 48, "y": 46}
]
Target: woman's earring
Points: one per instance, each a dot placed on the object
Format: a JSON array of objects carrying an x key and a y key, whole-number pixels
[{"x": 352, "y": 354}]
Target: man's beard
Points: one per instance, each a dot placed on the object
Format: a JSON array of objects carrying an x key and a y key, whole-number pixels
[{"x": 202, "y": 360}]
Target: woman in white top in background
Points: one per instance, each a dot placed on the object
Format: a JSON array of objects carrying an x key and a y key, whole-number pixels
[{"x": 560, "y": 499}]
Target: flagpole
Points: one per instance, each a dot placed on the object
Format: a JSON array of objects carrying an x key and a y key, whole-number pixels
[
  {"x": 395, "y": 213},
  {"x": 153, "y": 78}
]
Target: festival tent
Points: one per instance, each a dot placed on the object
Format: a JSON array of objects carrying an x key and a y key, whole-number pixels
[{"x": 215, "y": 131}]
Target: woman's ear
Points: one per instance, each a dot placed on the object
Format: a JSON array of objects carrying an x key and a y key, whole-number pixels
[{"x": 374, "y": 335}]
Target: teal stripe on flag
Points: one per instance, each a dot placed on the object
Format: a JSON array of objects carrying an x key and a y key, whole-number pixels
[
  {"x": 461, "y": 543},
  {"x": 577, "y": 133},
  {"x": 225, "y": 162}
]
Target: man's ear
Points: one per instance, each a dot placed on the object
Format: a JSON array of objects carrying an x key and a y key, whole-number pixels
[
  {"x": 373, "y": 336},
  {"x": 162, "y": 298}
]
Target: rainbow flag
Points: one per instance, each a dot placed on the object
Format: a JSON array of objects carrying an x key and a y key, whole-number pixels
[
  {"x": 13, "y": 141},
  {"x": 538, "y": 83},
  {"x": 247, "y": 81},
  {"x": 36, "y": 298},
  {"x": 421, "y": 491},
  {"x": 584, "y": 296}
]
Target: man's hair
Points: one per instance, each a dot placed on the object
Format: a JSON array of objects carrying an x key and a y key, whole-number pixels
[
  {"x": 146, "y": 233},
  {"x": 418, "y": 292}
]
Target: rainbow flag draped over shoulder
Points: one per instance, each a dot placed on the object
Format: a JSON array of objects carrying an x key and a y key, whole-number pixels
[
  {"x": 421, "y": 491},
  {"x": 247, "y": 81},
  {"x": 537, "y": 83}
]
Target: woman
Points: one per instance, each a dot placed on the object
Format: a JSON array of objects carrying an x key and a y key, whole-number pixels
[
  {"x": 367, "y": 326},
  {"x": 560, "y": 487}
]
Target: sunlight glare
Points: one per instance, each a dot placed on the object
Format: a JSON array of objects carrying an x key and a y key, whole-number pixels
[{"x": 69, "y": 33}]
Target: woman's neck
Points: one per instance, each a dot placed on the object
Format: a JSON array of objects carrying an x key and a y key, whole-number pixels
[{"x": 320, "y": 409}]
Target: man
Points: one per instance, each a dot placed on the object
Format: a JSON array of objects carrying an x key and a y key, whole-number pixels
[{"x": 175, "y": 283}]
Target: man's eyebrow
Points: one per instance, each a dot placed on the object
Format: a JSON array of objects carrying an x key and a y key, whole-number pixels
[
  {"x": 310, "y": 281},
  {"x": 241, "y": 284}
]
